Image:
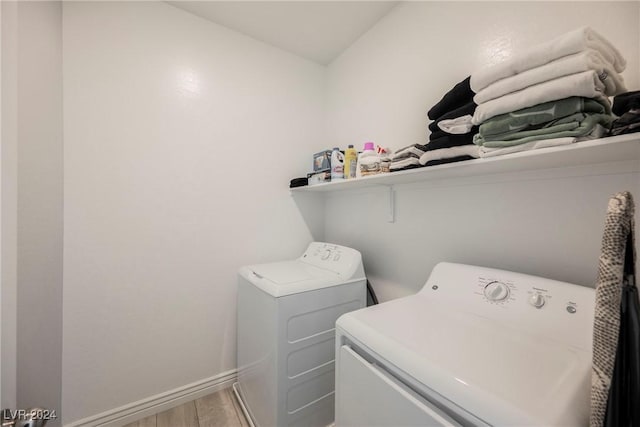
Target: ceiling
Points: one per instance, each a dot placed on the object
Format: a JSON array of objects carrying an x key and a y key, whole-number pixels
[{"x": 316, "y": 30}]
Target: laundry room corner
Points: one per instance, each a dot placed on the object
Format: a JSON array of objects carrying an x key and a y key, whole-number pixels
[
  {"x": 310, "y": 207},
  {"x": 235, "y": 212},
  {"x": 546, "y": 223}
]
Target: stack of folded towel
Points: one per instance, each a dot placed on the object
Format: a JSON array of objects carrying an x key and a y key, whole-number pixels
[
  {"x": 407, "y": 158},
  {"x": 549, "y": 124},
  {"x": 627, "y": 106},
  {"x": 552, "y": 94},
  {"x": 451, "y": 131}
]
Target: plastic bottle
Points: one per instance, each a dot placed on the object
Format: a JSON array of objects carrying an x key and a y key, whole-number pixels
[
  {"x": 368, "y": 161},
  {"x": 350, "y": 162},
  {"x": 337, "y": 165}
]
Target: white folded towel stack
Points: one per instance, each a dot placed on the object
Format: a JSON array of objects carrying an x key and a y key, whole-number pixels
[
  {"x": 578, "y": 64},
  {"x": 572, "y": 64},
  {"x": 567, "y": 44}
]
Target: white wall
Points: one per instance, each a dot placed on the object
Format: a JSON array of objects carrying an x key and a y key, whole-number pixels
[
  {"x": 31, "y": 205},
  {"x": 39, "y": 320},
  {"x": 381, "y": 88},
  {"x": 180, "y": 140},
  {"x": 9, "y": 200}
]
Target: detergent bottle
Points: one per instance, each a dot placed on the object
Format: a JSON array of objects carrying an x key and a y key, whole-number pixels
[
  {"x": 337, "y": 165},
  {"x": 368, "y": 161}
]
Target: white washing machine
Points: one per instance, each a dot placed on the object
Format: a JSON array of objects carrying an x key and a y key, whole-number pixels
[
  {"x": 286, "y": 333},
  {"x": 475, "y": 346}
]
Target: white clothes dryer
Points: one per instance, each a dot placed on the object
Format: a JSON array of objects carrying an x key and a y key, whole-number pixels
[
  {"x": 476, "y": 346},
  {"x": 286, "y": 333}
]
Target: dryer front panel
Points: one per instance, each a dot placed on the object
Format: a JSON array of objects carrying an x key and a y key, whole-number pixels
[{"x": 367, "y": 394}]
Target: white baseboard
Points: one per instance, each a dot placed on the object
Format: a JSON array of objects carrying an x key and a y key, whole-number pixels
[{"x": 160, "y": 402}]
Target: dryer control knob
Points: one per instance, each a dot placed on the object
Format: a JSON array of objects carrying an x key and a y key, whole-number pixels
[
  {"x": 496, "y": 291},
  {"x": 537, "y": 300},
  {"x": 326, "y": 254}
]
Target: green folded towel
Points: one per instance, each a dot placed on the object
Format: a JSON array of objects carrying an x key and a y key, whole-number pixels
[
  {"x": 535, "y": 117},
  {"x": 575, "y": 125}
]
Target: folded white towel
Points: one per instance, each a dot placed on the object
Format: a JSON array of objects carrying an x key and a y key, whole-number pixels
[
  {"x": 449, "y": 153},
  {"x": 412, "y": 150},
  {"x": 458, "y": 126},
  {"x": 533, "y": 145},
  {"x": 583, "y": 61},
  {"x": 566, "y": 44},
  {"x": 586, "y": 84}
]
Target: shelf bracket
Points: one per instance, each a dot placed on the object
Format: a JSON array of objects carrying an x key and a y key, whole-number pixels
[{"x": 391, "y": 215}]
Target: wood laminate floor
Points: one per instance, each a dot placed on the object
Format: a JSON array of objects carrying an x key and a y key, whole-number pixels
[{"x": 215, "y": 410}]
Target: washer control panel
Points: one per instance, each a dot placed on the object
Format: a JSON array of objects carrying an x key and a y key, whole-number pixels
[
  {"x": 336, "y": 258},
  {"x": 525, "y": 302},
  {"x": 501, "y": 291}
]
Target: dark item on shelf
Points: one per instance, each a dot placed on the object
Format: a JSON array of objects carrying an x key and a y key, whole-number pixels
[
  {"x": 465, "y": 110},
  {"x": 441, "y": 134},
  {"x": 628, "y": 123},
  {"x": 459, "y": 95},
  {"x": 450, "y": 141},
  {"x": 449, "y": 160},
  {"x": 298, "y": 182},
  {"x": 625, "y": 102},
  {"x": 412, "y": 166}
]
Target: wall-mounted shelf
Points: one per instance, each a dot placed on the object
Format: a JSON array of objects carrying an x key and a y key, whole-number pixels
[{"x": 594, "y": 152}]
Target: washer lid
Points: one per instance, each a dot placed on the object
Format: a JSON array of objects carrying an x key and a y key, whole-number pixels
[
  {"x": 282, "y": 273},
  {"x": 290, "y": 277},
  {"x": 500, "y": 375}
]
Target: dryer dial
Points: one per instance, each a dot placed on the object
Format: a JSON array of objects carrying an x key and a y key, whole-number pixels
[
  {"x": 537, "y": 300},
  {"x": 496, "y": 291}
]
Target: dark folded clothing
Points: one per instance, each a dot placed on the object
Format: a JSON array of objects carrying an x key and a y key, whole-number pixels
[
  {"x": 450, "y": 141},
  {"x": 413, "y": 166},
  {"x": 625, "y": 102},
  {"x": 628, "y": 123},
  {"x": 460, "y": 94},
  {"x": 442, "y": 134},
  {"x": 449, "y": 160},
  {"x": 467, "y": 109},
  {"x": 438, "y": 134}
]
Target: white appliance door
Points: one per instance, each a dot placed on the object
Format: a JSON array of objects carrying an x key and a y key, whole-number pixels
[{"x": 368, "y": 395}]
